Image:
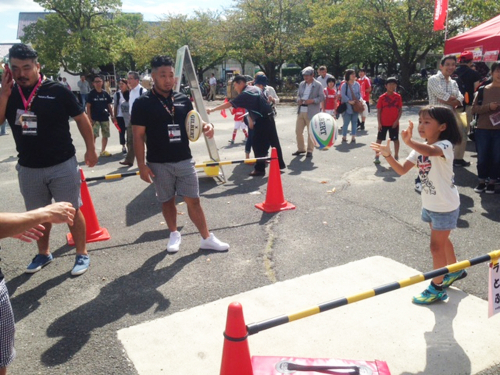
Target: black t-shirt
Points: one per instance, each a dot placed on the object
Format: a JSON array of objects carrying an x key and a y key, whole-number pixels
[
  {"x": 99, "y": 105},
  {"x": 469, "y": 77},
  {"x": 149, "y": 111},
  {"x": 52, "y": 144},
  {"x": 254, "y": 101}
]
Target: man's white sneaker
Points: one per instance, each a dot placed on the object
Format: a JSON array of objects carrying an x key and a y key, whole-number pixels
[
  {"x": 174, "y": 242},
  {"x": 212, "y": 243}
]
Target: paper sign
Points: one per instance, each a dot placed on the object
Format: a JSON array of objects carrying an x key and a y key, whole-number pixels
[
  {"x": 490, "y": 56},
  {"x": 494, "y": 290}
]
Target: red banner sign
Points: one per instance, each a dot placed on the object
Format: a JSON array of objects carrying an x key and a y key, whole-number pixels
[{"x": 440, "y": 14}]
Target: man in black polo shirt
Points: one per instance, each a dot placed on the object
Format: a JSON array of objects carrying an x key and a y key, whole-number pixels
[
  {"x": 99, "y": 109},
  {"x": 261, "y": 115},
  {"x": 38, "y": 110},
  {"x": 158, "y": 119}
]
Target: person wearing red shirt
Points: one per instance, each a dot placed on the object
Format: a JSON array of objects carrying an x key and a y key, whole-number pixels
[
  {"x": 366, "y": 89},
  {"x": 330, "y": 103},
  {"x": 239, "y": 114},
  {"x": 390, "y": 108}
]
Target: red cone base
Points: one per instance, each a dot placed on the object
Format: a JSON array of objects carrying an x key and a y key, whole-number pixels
[
  {"x": 236, "y": 354},
  {"x": 275, "y": 200},
  {"x": 94, "y": 232}
]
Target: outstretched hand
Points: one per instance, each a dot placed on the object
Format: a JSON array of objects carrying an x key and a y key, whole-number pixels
[
  {"x": 379, "y": 148},
  {"x": 407, "y": 134},
  {"x": 33, "y": 234},
  {"x": 61, "y": 212},
  {"x": 208, "y": 130}
]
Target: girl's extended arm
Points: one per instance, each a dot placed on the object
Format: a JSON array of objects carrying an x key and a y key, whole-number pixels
[
  {"x": 385, "y": 150},
  {"x": 422, "y": 148}
]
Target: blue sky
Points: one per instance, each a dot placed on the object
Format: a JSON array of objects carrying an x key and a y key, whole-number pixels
[{"x": 151, "y": 9}]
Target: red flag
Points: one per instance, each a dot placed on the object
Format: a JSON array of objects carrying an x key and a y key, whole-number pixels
[
  {"x": 223, "y": 112},
  {"x": 440, "y": 12}
]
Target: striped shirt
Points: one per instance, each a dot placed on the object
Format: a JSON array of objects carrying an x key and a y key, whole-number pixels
[{"x": 438, "y": 87}]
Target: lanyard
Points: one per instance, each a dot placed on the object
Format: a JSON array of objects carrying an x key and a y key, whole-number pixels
[
  {"x": 170, "y": 112},
  {"x": 27, "y": 103}
]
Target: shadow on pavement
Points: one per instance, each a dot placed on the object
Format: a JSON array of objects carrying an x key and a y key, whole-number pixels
[
  {"x": 27, "y": 302},
  {"x": 444, "y": 353},
  {"x": 131, "y": 294}
]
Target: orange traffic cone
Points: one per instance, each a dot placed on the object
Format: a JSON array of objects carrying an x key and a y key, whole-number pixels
[
  {"x": 94, "y": 232},
  {"x": 236, "y": 354},
  {"x": 275, "y": 200}
]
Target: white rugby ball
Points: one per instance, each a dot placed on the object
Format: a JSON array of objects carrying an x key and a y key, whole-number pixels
[
  {"x": 194, "y": 125},
  {"x": 324, "y": 130}
]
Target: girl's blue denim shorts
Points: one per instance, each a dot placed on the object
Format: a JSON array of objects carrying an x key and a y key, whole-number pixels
[{"x": 441, "y": 220}]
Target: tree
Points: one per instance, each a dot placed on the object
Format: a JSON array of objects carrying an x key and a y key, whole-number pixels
[
  {"x": 270, "y": 31},
  {"x": 133, "y": 30},
  {"x": 466, "y": 14},
  {"x": 401, "y": 28},
  {"x": 335, "y": 37},
  {"x": 78, "y": 36},
  {"x": 201, "y": 32}
]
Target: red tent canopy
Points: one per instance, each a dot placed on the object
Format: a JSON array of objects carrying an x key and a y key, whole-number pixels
[{"x": 482, "y": 38}]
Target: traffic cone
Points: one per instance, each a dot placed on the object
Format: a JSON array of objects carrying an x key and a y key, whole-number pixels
[
  {"x": 94, "y": 232},
  {"x": 236, "y": 354},
  {"x": 275, "y": 200}
]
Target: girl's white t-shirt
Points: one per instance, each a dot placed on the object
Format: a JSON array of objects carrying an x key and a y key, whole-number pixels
[{"x": 439, "y": 193}]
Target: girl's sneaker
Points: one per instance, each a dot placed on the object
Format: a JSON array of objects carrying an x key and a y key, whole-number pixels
[
  {"x": 429, "y": 296},
  {"x": 450, "y": 278}
]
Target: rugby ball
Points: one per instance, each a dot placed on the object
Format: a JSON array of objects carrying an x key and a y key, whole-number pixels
[
  {"x": 324, "y": 130},
  {"x": 194, "y": 125}
]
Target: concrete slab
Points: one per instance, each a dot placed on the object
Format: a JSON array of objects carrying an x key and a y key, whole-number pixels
[{"x": 455, "y": 337}]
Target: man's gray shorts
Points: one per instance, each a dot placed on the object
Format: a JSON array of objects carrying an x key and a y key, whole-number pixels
[
  {"x": 60, "y": 182},
  {"x": 175, "y": 178}
]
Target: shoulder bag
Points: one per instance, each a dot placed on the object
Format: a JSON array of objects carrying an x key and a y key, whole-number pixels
[{"x": 357, "y": 106}]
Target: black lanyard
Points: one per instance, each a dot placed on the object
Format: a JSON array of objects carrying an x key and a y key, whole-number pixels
[{"x": 171, "y": 112}]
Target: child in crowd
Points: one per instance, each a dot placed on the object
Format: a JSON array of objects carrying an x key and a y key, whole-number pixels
[
  {"x": 330, "y": 103},
  {"x": 440, "y": 199},
  {"x": 390, "y": 109},
  {"x": 239, "y": 114}
]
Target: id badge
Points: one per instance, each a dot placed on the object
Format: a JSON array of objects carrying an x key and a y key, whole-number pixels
[
  {"x": 174, "y": 133},
  {"x": 29, "y": 124},
  {"x": 19, "y": 113}
]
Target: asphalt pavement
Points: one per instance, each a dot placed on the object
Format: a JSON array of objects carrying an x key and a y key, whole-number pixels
[{"x": 347, "y": 210}]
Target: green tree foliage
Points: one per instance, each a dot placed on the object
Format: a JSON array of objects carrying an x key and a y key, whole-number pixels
[
  {"x": 466, "y": 14},
  {"x": 201, "y": 32},
  {"x": 269, "y": 31},
  {"x": 335, "y": 37},
  {"x": 79, "y": 35},
  {"x": 83, "y": 34},
  {"x": 133, "y": 30},
  {"x": 368, "y": 32}
]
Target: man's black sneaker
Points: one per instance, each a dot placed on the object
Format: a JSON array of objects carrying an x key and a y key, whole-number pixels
[
  {"x": 460, "y": 163},
  {"x": 480, "y": 188}
]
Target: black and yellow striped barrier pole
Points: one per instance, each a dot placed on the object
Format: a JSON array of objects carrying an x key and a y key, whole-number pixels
[
  {"x": 228, "y": 162},
  {"x": 201, "y": 165},
  {"x": 112, "y": 176},
  {"x": 279, "y": 320}
]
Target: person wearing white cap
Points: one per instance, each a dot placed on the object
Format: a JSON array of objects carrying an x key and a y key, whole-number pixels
[{"x": 309, "y": 99}]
